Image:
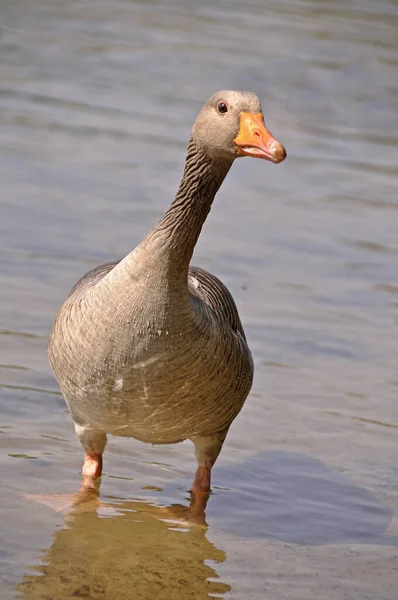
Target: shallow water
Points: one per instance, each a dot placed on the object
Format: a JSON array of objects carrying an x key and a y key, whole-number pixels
[{"x": 97, "y": 100}]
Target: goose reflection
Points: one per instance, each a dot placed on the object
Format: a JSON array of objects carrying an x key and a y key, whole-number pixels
[{"x": 127, "y": 549}]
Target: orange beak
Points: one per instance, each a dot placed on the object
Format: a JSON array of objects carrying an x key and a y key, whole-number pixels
[{"x": 254, "y": 139}]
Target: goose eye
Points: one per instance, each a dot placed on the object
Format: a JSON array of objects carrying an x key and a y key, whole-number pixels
[{"x": 222, "y": 107}]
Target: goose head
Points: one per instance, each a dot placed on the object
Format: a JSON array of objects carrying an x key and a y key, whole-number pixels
[{"x": 231, "y": 125}]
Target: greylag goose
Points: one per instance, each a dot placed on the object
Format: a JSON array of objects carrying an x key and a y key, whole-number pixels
[{"x": 150, "y": 347}]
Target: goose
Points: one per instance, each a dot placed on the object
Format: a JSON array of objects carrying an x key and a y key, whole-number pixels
[{"x": 150, "y": 347}]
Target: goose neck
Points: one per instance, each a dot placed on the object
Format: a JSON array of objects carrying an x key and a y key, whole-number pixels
[{"x": 179, "y": 229}]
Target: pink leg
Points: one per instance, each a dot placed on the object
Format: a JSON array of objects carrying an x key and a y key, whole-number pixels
[
  {"x": 92, "y": 466},
  {"x": 201, "y": 483},
  {"x": 207, "y": 449},
  {"x": 200, "y": 490},
  {"x": 93, "y": 441},
  {"x": 91, "y": 471}
]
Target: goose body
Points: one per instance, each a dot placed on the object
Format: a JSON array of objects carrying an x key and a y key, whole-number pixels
[
  {"x": 150, "y": 347},
  {"x": 145, "y": 381}
]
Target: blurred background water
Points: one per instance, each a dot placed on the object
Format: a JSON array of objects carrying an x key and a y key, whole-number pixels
[{"x": 96, "y": 104}]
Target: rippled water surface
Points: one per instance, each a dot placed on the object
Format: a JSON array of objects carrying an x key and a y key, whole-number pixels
[{"x": 96, "y": 104}]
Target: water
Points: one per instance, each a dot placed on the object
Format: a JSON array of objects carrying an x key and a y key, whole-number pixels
[{"x": 97, "y": 100}]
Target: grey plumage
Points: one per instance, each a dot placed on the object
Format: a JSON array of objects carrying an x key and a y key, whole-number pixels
[{"x": 148, "y": 347}]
